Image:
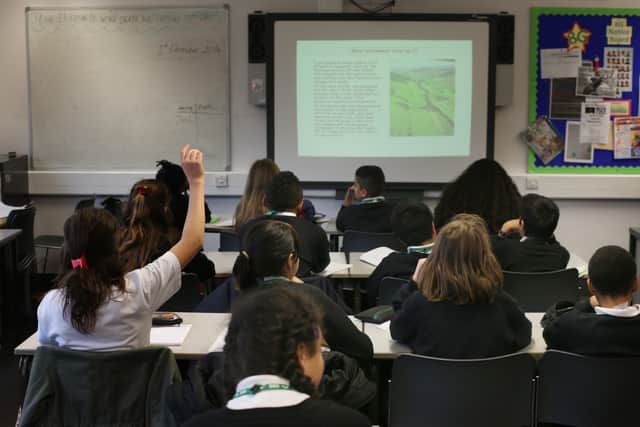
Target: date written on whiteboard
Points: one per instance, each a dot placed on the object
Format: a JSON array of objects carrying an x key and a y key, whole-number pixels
[{"x": 191, "y": 49}]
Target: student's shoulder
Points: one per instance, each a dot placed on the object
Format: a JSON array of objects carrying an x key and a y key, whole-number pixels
[{"x": 328, "y": 413}]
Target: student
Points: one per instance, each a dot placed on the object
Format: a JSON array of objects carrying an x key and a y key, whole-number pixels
[
  {"x": 364, "y": 207},
  {"x": 273, "y": 366},
  {"x": 270, "y": 258},
  {"x": 412, "y": 224},
  {"x": 252, "y": 202},
  {"x": 283, "y": 199},
  {"x": 606, "y": 324},
  {"x": 174, "y": 179},
  {"x": 148, "y": 225},
  {"x": 528, "y": 244},
  {"x": 97, "y": 305},
  {"x": 484, "y": 189},
  {"x": 460, "y": 310}
]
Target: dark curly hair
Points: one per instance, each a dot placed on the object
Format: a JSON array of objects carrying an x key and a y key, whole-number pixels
[
  {"x": 484, "y": 189},
  {"x": 267, "y": 326}
]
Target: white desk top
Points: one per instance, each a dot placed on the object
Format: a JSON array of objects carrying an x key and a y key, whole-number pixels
[{"x": 207, "y": 326}]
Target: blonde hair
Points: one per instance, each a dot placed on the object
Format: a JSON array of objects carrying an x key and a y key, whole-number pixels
[
  {"x": 252, "y": 202},
  {"x": 461, "y": 267}
]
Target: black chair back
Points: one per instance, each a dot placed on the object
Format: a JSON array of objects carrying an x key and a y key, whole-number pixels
[
  {"x": 388, "y": 288},
  {"x": 24, "y": 220},
  {"x": 86, "y": 203},
  {"x": 494, "y": 392},
  {"x": 229, "y": 241},
  {"x": 187, "y": 297},
  {"x": 360, "y": 241},
  {"x": 536, "y": 292},
  {"x": 587, "y": 391}
]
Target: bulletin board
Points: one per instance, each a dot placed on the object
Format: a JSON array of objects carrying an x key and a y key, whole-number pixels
[{"x": 587, "y": 56}]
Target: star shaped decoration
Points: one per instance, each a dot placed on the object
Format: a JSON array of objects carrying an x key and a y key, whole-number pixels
[{"x": 577, "y": 37}]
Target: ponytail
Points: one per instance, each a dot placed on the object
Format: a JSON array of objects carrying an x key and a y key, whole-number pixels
[
  {"x": 243, "y": 272},
  {"x": 84, "y": 294}
]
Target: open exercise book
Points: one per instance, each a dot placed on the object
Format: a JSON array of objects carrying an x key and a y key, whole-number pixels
[
  {"x": 375, "y": 256},
  {"x": 169, "y": 335}
]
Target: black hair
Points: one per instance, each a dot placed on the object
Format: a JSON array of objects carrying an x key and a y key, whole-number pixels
[
  {"x": 284, "y": 192},
  {"x": 484, "y": 189},
  {"x": 266, "y": 328},
  {"x": 371, "y": 178},
  {"x": 539, "y": 215},
  {"x": 612, "y": 271},
  {"x": 172, "y": 175},
  {"x": 265, "y": 250},
  {"x": 412, "y": 222},
  {"x": 93, "y": 234}
]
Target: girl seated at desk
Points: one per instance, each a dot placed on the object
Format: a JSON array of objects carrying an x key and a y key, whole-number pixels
[
  {"x": 98, "y": 305},
  {"x": 459, "y": 309}
]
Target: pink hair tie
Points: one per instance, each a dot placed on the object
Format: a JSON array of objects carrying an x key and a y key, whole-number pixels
[
  {"x": 142, "y": 190},
  {"x": 80, "y": 263}
]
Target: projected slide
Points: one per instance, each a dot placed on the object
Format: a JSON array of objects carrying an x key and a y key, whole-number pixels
[{"x": 384, "y": 98}]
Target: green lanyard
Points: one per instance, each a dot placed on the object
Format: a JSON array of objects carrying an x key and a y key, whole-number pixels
[
  {"x": 260, "y": 387},
  {"x": 425, "y": 250},
  {"x": 371, "y": 200}
]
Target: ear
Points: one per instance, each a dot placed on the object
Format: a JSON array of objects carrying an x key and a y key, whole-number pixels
[
  {"x": 521, "y": 226},
  {"x": 300, "y": 205},
  {"x": 291, "y": 268},
  {"x": 590, "y": 286},
  {"x": 433, "y": 231}
]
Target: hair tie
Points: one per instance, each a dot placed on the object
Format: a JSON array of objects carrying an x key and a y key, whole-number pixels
[
  {"x": 142, "y": 190},
  {"x": 80, "y": 263},
  {"x": 245, "y": 254}
]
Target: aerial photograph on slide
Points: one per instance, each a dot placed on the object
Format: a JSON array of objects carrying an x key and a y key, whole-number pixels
[{"x": 423, "y": 100}]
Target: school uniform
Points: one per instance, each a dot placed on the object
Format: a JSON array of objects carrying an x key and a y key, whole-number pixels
[
  {"x": 529, "y": 254},
  {"x": 397, "y": 264},
  {"x": 123, "y": 321},
  {"x": 314, "y": 256},
  {"x": 461, "y": 331},
  {"x": 582, "y": 329},
  {"x": 277, "y": 405},
  {"x": 372, "y": 215}
]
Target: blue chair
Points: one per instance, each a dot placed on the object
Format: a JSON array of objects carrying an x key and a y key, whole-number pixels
[
  {"x": 492, "y": 392},
  {"x": 229, "y": 241},
  {"x": 388, "y": 288},
  {"x": 536, "y": 292}
]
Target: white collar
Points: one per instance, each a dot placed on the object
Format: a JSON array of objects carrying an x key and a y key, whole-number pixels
[
  {"x": 265, "y": 399},
  {"x": 622, "y": 310},
  {"x": 284, "y": 214}
]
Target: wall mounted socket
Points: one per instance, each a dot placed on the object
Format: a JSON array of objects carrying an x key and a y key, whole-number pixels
[
  {"x": 222, "y": 181},
  {"x": 531, "y": 183}
]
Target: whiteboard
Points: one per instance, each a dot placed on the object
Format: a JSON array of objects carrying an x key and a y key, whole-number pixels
[{"x": 118, "y": 89}]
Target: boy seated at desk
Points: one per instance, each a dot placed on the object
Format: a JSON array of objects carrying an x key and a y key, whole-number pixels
[
  {"x": 412, "y": 223},
  {"x": 527, "y": 244},
  {"x": 364, "y": 208},
  {"x": 283, "y": 199},
  {"x": 606, "y": 324}
]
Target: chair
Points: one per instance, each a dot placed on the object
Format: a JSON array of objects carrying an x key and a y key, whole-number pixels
[
  {"x": 496, "y": 392},
  {"x": 587, "y": 391},
  {"x": 388, "y": 288},
  {"x": 229, "y": 241},
  {"x": 187, "y": 297},
  {"x": 86, "y": 203},
  {"x": 536, "y": 292},
  {"x": 83, "y": 388},
  {"x": 360, "y": 241},
  {"x": 46, "y": 242}
]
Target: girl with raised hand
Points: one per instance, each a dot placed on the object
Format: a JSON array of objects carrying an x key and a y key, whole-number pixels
[{"x": 97, "y": 305}]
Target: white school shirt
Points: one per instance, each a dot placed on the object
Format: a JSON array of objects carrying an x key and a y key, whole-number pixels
[
  {"x": 622, "y": 310},
  {"x": 124, "y": 321},
  {"x": 266, "y": 398}
]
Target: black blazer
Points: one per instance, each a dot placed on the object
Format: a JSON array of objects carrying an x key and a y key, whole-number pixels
[
  {"x": 579, "y": 329},
  {"x": 398, "y": 264},
  {"x": 315, "y": 245},
  {"x": 530, "y": 256},
  {"x": 369, "y": 217},
  {"x": 461, "y": 331}
]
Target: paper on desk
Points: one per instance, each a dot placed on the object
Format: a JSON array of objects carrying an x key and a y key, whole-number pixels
[
  {"x": 555, "y": 63},
  {"x": 386, "y": 326},
  {"x": 6, "y": 209},
  {"x": 218, "y": 344},
  {"x": 169, "y": 335},
  {"x": 375, "y": 256},
  {"x": 334, "y": 267},
  {"x": 576, "y": 262}
]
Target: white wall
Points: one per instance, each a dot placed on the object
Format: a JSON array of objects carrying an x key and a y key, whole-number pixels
[{"x": 585, "y": 224}]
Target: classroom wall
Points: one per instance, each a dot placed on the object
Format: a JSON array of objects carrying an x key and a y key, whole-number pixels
[{"x": 585, "y": 224}]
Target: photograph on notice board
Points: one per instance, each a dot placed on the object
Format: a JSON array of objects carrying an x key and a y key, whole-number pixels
[
  {"x": 620, "y": 59},
  {"x": 543, "y": 139},
  {"x": 626, "y": 138},
  {"x": 564, "y": 103},
  {"x": 602, "y": 82},
  {"x": 574, "y": 151}
]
